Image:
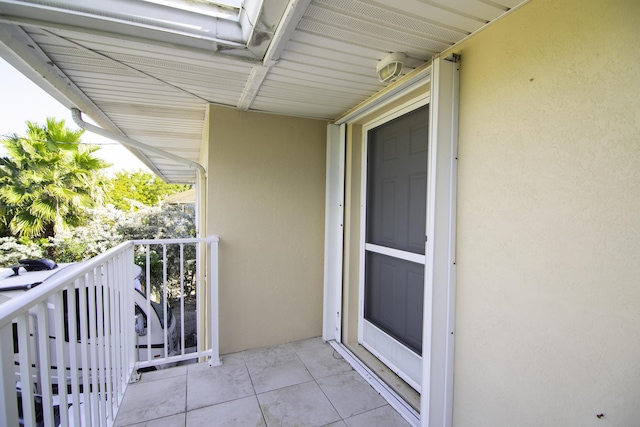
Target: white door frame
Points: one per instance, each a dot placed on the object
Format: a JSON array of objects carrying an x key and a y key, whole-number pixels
[
  {"x": 334, "y": 233},
  {"x": 436, "y": 405},
  {"x": 398, "y": 357}
]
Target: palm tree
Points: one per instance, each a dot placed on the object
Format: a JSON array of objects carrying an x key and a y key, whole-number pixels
[{"x": 47, "y": 180}]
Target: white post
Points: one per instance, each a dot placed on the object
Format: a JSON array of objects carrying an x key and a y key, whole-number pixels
[
  {"x": 436, "y": 404},
  {"x": 213, "y": 292},
  {"x": 8, "y": 395},
  {"x": 334, "y": 233}
]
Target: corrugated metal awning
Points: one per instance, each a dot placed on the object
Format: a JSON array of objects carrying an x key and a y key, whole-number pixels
[{"x": 152, "y": 80}]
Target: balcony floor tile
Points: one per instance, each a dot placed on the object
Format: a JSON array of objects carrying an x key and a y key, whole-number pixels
[
  {"x": 240, "y": 412},
  {"x": 304, "y": 383},
  {"x": 213, "y": 385},
  {"x": 177, "y": 420},
  {"x": 350, "y": 394},
  {"x": 278, "y": 375},
  {"x": 298, "y": 405},
  {"x": 146, "y": 401},
  {"x": 323, "y": 361},
  {"x": 384, "y": 416}
]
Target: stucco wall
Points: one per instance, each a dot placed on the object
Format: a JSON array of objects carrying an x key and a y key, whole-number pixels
[
  {"x": 266, "y": 179},
  {"x": 548, "y": 249}
]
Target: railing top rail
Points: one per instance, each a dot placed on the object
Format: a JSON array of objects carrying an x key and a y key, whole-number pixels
[
  {"x": 174, "y": 241},
  {"x": 10, "y": 309}
]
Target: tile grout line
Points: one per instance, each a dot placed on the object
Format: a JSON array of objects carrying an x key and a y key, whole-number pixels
[
  {"x": 315, "y": 380},
  {"x": 186, "y": 395},
  {"x": 385, "y": 403},
  {"x": 255, "y": 394}
]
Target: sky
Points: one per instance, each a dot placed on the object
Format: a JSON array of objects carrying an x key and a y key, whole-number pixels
[{"x": 21, "y": 100}]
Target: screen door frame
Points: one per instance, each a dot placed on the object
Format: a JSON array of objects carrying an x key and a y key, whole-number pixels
[{"x": 397, "y": 356}]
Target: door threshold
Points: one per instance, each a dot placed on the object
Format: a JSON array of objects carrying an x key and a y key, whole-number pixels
[{"x": 405, "y": 407}]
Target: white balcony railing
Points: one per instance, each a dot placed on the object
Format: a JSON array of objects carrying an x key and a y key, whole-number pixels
[{"x": 70, "y": 346}]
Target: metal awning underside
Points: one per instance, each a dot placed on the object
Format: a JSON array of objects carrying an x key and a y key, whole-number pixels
[{"x": 149, "y": 73}]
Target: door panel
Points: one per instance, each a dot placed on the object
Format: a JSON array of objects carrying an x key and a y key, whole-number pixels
[
  {"x": 395, "y": 224},
  {"x": 417, "y": 205},
  {"x": 394, "y": 298},
  {"x": 396, "y": 183}
]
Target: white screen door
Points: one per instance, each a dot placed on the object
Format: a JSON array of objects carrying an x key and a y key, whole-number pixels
[{"x": 394, "y": 251}]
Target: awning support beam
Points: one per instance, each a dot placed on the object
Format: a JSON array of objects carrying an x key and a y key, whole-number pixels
[{"x": 124, "y": 140}]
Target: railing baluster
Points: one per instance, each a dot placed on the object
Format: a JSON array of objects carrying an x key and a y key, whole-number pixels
[
  {"x": 148, "y": 310},
  {"x": 91, "y": 369},
  {"x": 199, "y": 295},
  {"x": 61, "y": 359},
  {"x": 44, "y": 361},
  {"x": 72, "y": 304},
  {"x": 27, "y": 382},
  {"x": 182, "y": 347},
  {"x": 109, "y": 347},
  {"x": 213, "y": 286},
  {"x": 164, "y": 302},
  {"x": 127, "y": 340},
  {"x": 100, "y": 375},
  {"x": 8, "y": 401},
  {"x": 93, "y": 347},
  {"x": 83, "y": 297}
]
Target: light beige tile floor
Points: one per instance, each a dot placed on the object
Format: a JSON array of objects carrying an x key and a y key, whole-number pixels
[{"x": 304, "y": 383}]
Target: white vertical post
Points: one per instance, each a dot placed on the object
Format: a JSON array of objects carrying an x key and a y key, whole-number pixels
[
  {"x": 182, "y": 349},
  {"x": 92, "y": 341},
  {"x": 8, "y": 395},
  {"x": 74, "y": 363},
  {"x": 44, "y": 362},
  {"x": 112, "y": 267},
  {"x": 165, "y": 325},
  {"x": 436, "y": 403},
  {"x": 126, "y": 311},
  {"x": 85, "y": 367},
  {"x": 213, "y": 292},
  {"x": 26, "y": 358},
  {"x": 334, "y": 233},
  {"x": 148, "y": 308},
  {"x": 61, "y": 370},
  {"x": 100, "y": 285},
  {"x": 201, "y": 292}
]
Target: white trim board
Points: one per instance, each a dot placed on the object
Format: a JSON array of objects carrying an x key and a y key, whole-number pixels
[
  {"x": 436, "y": 405},
  {"x": 334, "y": 233}
]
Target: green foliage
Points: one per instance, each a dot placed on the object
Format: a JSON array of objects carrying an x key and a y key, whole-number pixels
[
  {"x": 47, "y": 180},
  {"x": 98, "y": 235},
  {"x": 127, "y": 188},
  {"x": 53, "y": 197},
  {"x": 12, "y": 251},
  {"x": 109, "y": 227}
]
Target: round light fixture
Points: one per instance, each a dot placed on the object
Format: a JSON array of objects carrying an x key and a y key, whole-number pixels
[{"x": 390, "y": 67}]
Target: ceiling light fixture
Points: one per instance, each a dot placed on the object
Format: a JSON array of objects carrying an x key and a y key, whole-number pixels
[{"x": 390, "y": 67}]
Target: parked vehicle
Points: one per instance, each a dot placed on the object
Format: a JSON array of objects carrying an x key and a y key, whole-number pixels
[{"x": 149, "y": 318}]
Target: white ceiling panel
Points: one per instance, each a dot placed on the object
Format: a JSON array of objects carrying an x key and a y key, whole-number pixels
[{"x": 153, "y": 84}]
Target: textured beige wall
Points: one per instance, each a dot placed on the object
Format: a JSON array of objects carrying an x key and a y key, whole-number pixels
[
  {"x": 266, "y": 177},
  {"x": 548, "y": 249}
]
